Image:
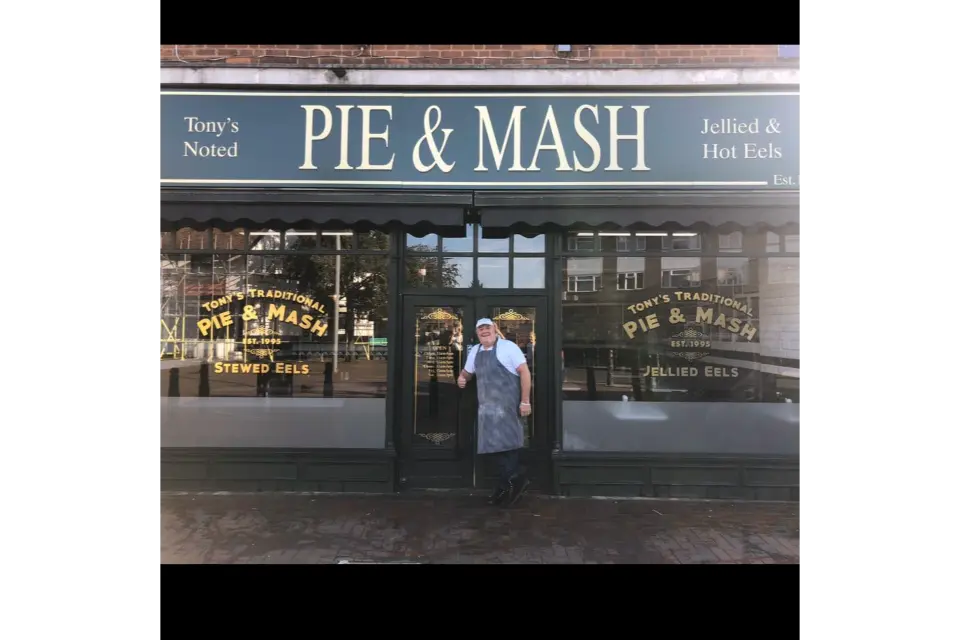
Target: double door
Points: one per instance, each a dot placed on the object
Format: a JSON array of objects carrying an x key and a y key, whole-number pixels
[{"x": 438, "y": 421}]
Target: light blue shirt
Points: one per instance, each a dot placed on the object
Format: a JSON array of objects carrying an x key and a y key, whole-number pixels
[{"x": 508, "y": 353}]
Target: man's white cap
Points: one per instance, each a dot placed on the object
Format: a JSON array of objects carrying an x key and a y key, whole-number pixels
[{"x": 483, "y": 321}]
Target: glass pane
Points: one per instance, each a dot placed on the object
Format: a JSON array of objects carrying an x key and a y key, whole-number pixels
[
  {"x": 493, "y": 273},
  {"x": 268, "y": 326},
  {"x": 528, "y": 273},
  {"x": 735, "y": 273},
  {"x": 422, "y": 272},
  {"x": 264, "y": 240},
  {"x": 300, "y": 240},
  {"x": 457, "y": 273},
  {"x": 493, "y": 245},
  {"x": 792, "y": 243},
  {"x": 234, "y": 240},
  {"x": 374, "y": 240},
  {"x": 731, "y": 241},
  {"x": 184, "y": 239},
  {"x": 773, "y": 242},
  {"x": 536, "y": 244},
  {"x": 679, "y": 272},
  {"x": 459, "y": 245},
  {"x": 429, "y": 243},
  {"x": 780, "y": 341},
  {"x": 684, "y": 241},
  {"x": 519, "y": 325},
  {"x": 437, "y": 363},
  {"x": 617, "y": 241},
  {"x": 581, "y": 241},
  {"x": 336, "y": 240},
  {"x": 649, "y": 340}
]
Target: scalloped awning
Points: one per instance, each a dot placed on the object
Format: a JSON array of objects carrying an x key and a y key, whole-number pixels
[
  {"x": 226, "y": 209},
  {"x": 447, "y": 211},
  {"x": 643, "y": 210}
]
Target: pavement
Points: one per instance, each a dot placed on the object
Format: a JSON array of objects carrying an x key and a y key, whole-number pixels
[{"x": 449, "y": 528}]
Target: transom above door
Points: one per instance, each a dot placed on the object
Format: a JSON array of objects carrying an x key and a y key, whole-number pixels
[{"x": 477, "y": 260}]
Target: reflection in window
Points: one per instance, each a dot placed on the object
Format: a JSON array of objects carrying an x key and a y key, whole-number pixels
[
  {"x": 424, "y": 272},
  {"x": 529, "y": 273},
  {"x": 234, "y": 240},
  {"x": 773, "y": 242},
  {"x": 678, "y": 273},
  {"x": 184, "y": 239},
  {"x": 729, "y": 337},
  {"x": 237, "y": 324},
  {"x": 459, "y": 245},
  {"x": 492, "y": 245},
  {"x": 736, "y": 271},
  {"x": 460, "y": 272},
  {"x": 630, "y": 273},
  {"x": 783, "y": 271},
  {"x": 265, "y": 240},
  {"x": 583, "y": 274},
  {"x": 300, "y": 240},
  {"x": 536, "y": 244},
  {"x": 464, "y": 262},
  {"x": 583, "y": 241},
  {"x": 683, "y": 242},
  {"x": 426, "y": 243},
  {"x": 731, "y": 241},
  {"x": 780, "y": 341},
  {"x": 493, "y": 273}
]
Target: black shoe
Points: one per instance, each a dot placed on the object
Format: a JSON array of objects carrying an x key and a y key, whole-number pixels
[
  {"x": 497, "y": 496},
  {"x": 518, "y": 487}
]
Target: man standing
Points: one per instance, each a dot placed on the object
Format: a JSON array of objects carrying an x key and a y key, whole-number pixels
[{"x": 503, "y": 395}]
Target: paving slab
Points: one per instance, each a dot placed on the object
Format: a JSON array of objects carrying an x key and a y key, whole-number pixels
[{"x": 438, "y": 528}]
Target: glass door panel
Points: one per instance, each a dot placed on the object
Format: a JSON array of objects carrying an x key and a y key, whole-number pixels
[
  {"x": 519, "y": 325},
  {"x": 438, "y": 358}
]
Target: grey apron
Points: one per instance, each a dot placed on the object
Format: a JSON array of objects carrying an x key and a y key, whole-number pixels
[{"x": 498, "y": 394}]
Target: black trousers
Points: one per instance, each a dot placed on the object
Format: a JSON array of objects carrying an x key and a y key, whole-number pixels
[{"x": 508, "y": 464}]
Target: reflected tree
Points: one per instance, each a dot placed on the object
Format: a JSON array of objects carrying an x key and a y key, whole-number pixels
[
  {"x": 363, "y": 279},
  {"x": 421, "y": 270}
]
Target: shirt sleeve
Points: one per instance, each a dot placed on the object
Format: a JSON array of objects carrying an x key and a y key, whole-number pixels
[
  {"x": 471, "y": 360},
  {"x": 515, "y": 357}
]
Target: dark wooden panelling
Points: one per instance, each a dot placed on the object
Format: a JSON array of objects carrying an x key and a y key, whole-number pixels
[
  {"x": 667, "y": 476},
  {"x": 333, "y": 470}
]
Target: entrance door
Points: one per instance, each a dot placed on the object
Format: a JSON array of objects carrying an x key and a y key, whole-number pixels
[
  {"x": 523, "y": 320},
  {"x": 437, "y": 443}
]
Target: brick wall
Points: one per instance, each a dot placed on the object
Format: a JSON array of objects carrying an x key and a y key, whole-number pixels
[{"x": 475, "y": 55}]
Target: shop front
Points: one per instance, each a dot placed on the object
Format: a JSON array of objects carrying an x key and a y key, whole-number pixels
[{"x": 325, "y": 256}]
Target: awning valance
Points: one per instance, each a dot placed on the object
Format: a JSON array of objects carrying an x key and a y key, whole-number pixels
[
  {"x": 646, "y": 210},
  {"x": 227, "y": 209}
]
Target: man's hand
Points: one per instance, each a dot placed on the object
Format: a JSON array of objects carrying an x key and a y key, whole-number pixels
[
  {"x": 525, "y": 409},
  {"x": 461, "y": 381}
]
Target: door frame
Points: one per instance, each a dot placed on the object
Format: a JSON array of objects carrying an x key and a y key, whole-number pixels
[{"x": 422, "y": 465}]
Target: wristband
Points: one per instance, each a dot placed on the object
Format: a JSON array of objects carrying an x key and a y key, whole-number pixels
[{"x": 524, "y": 404}]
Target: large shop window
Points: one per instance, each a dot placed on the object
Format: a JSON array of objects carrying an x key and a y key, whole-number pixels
[
  {"x": 681, "y": 342},
  {"x": 274, "y": 339}
]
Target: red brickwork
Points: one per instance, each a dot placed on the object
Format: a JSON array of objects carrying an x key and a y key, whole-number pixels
[{"x": 475, "y": 55}]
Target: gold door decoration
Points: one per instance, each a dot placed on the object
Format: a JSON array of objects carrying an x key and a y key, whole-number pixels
[
  {"x": 521, "y": 329},
  {"x": 510, "y": 315},
  {"x": 438, "y": 359}
]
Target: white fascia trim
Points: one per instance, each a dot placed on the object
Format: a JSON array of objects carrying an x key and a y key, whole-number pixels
[{"x": 421, "y": 78}]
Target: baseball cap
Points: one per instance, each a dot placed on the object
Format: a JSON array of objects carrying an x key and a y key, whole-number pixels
[{"x": 483, "y": 321}]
